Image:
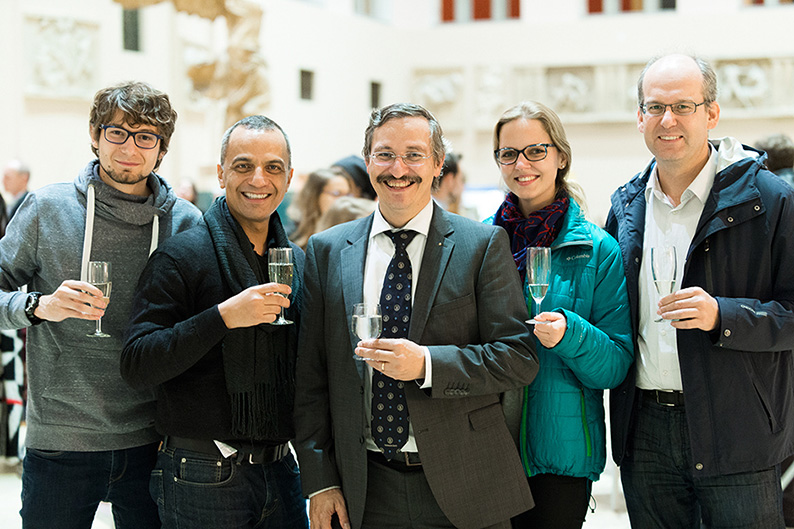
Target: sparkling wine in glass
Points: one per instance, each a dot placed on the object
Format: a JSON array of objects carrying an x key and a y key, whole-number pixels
[
  {"x": 538, "y": 274},
  {"x": 664, "y": 267},
  {"x": 366, "y": 322},
  {"x": 99, "y": 276},
  {"x": 279, "y": 267}
]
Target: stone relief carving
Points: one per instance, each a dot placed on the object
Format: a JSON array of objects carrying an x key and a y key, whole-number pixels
[
  {"x": 441, "y": 93},
  {"x": 437, "y": 89},
  {"x": 60, "y": 55},
  {"x": 571, "y": 90},
  {"x": 742, "y": 84},
  {"x": 490, "y": 97}
]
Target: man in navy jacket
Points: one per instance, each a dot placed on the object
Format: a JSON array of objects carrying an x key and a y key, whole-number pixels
[{"x": 706, "y": 414}]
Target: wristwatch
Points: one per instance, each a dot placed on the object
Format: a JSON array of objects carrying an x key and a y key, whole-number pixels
[{"x": 30, "y": 307}]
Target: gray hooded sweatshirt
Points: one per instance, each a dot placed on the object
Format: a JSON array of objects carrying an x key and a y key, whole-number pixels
[{"x": 77, "y": 400}]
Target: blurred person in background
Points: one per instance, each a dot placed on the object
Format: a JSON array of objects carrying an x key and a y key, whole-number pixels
[
  {"x": 321, "y": 189},
  {"x": 354, "y": 168},
  {"x": 583, "y": 329},
  {"x": 780, "y": 155},
  {"x": 186, "y": 189},
  {"x": 344, "y": 210},
  {"x": 16, "y": 178},
  {"x": 449, "y": 187}
]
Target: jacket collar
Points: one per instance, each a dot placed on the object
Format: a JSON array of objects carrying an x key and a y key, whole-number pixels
[{"x": 574, "y": 230}]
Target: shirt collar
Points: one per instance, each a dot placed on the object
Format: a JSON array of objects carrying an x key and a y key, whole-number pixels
[
  {"x": 420, "y": 223},
  {"x": 700, "y": 186}
]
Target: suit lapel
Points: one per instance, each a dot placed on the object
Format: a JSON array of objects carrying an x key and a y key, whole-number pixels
[
  {"x": 438, "y": 250},
  {"x": 352, "y": 258}
]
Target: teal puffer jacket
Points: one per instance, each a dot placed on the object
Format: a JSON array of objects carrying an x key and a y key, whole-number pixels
[{"x": 563, "y": 431}]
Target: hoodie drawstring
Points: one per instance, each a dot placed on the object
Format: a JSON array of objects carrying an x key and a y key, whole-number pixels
[
  {"x": 89, "y": 233},
  {"x": 155, "y": 234}
]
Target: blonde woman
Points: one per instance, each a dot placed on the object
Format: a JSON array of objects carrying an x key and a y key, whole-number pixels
[{"x": 584, "y": 335}]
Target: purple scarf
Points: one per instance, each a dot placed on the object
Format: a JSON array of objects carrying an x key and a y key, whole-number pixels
[{"x": 540, "y": 228}]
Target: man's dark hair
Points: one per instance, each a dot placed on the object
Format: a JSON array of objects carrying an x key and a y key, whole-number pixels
[
  {"x": 451, "y": 161},
  {"x": 438, "y": 144},
  {"x": 779, "y": 150},
  {"x": 255, "y": 123},
  {"x": 141, "y": 105}
]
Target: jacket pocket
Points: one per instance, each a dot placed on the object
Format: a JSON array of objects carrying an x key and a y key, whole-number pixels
[
  {"x": 486, "y": 417},
  {"x": 443, "y": 308},
  {"x": 774, "y": 424}
]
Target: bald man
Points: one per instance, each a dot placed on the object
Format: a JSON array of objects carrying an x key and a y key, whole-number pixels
[{"x": 706, "y": 414}]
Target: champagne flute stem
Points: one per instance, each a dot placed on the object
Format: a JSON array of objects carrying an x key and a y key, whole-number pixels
[{"x": 99, "y": 326}]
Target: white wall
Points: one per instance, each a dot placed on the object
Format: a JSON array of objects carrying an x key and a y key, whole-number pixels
[{"x": 498, "y": 65}]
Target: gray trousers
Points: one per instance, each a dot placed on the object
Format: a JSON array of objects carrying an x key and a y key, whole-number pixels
[{"x": 403, "y": 500}]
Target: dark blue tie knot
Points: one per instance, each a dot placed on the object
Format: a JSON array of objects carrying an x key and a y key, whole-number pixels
[{"x": 402, "y": 238}]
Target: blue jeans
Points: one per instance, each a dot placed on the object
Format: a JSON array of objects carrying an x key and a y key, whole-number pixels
[
  {"x": 195, "y": 491},
  {"x": 662, "y": 492},
  {"x": 63, "y": 489}
]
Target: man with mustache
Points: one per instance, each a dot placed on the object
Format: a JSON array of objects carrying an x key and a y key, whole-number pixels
[{"x": 411, "y": 433}]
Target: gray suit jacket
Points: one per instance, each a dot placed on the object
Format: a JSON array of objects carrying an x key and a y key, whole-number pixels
[{"x": 470, "y": 312}]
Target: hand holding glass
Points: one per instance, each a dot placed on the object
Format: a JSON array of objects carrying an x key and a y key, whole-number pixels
[
  {"x": 366, "y": 322},
  {"x": 538, "y": 274},
  {"x": 99, "y": 276},
  {"x": 279, "y": 267},
  {"x": 664, "y": 267}
]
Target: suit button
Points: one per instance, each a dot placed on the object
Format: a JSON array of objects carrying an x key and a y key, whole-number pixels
[
  {"x": 727, "y": 332},
  {"x": 730, "y": 219},
  {"x": 699, "y": 466}
]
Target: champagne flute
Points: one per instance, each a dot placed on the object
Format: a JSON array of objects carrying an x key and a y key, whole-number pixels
[
  {"x": 366, "y": 322},
  {"x": 279, "y": 267},
  {"x": 664, "y": 266},
  {"x": 99, "y": 276},
  {"x": 538, "y": 274}
]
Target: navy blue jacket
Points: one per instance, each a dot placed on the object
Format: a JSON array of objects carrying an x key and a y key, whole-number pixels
[{"x": 738, "y": 380}]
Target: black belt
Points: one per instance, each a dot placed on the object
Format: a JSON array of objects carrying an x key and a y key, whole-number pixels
[
  {"x": 665, "y": 398},
  {"x": 254, "y": 454},
  {"x": 403, "y": 461}
]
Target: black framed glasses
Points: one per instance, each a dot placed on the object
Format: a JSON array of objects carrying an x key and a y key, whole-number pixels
[
  {"x": 682, "y": 108},
  {"x": 387, "y": 158},
  {"x": 142, "y": 138},
  {"x": 534, "y": 153}
]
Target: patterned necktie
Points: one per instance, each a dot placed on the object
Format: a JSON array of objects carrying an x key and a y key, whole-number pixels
[{"x": 389, "y": 409}]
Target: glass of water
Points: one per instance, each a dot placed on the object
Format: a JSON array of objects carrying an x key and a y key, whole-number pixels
[{"x": 366, "y": 322}]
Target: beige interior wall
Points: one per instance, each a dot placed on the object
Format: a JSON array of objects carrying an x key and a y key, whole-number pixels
[{"x": 347, "y": 51}]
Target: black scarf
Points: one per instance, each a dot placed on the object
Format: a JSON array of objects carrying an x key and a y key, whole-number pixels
[
  {"x": 540, "y": 228},
  {"x": 258, "y": 362}
]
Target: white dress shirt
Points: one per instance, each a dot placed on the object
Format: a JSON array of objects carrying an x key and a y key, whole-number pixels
[
  {"x": 380, "y": 251},
  {"x": 666, "y": 225}
]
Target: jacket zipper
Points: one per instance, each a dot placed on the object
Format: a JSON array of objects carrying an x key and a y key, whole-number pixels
[
  {"x": 587, "y": 440},
  {"x": 709, "y": 277}
]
